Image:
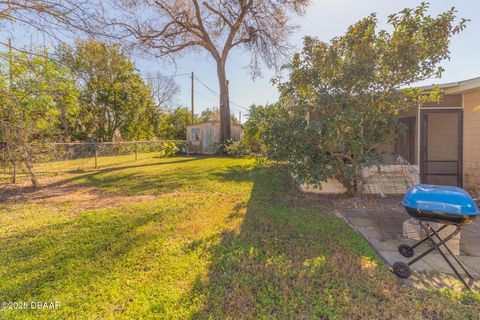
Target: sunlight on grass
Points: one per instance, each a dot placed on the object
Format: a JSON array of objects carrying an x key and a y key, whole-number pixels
[
  {"x": 186, "y": 237},
  {"x": 367, "y": 263},
  {"x": 56, "y": 168}
]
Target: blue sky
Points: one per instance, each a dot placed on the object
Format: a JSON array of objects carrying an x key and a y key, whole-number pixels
[{"x": 325, "y": 20}]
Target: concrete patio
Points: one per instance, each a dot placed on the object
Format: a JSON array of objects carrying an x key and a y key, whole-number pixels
[{"x": 383, "y": 229}]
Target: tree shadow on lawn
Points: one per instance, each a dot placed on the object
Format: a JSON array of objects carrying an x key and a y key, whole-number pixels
[
  {"x": 99, "y": 178},
  {"x": 196, "y": 178},
  {"x": 91, "y": 176},
  {"x": 286, "y": 263},
  {"x": 71, "y": 256},
  {"x": 237, "y": 173}
]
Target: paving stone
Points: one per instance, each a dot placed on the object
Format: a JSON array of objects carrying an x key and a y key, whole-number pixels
[
  {"x": 470, "y": 242},
  {"x": 361, "y": 222},
  {"x": 355, "y": 213},
  {"x": 371, "y": 233},
  {"x": 388, "y": 245},
  {"x": 392, "y": 257},
  {"x": 435, "y": 272},
  {"x": 436, "y": 262},
  {"x": 472, "y": 263}
]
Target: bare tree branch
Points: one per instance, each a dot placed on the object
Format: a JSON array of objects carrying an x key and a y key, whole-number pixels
[
  {"x": 167, "y": 28},
  {"x": 164, "y": 89}
]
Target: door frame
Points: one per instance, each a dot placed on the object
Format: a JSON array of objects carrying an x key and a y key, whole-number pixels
[{"x": 424, "y": 139}]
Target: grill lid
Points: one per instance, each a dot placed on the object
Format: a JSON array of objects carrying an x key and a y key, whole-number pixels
[{"x": 445, "y": 199}]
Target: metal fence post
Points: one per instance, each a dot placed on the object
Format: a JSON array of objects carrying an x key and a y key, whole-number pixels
[
  {"x": 136, "y": 152},
  {"x": 96, "y": 154}
]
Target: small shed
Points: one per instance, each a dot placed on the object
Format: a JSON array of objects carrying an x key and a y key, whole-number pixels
[{"x": 204, "y": 137}]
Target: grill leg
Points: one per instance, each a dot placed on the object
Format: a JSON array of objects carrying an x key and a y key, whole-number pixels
[
  {"x": 437, "y": 246},
  {"x": 428, "y": 236},
  {"x": 460, "y": 263}
]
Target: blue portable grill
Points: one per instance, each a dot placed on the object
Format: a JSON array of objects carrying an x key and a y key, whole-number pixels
[{"x": 442, "y": 204}]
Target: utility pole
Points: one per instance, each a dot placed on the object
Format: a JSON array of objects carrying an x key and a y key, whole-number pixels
[
  {"x": 193, "y": 96},
  {"x": 10, "y": 74},
  {"x": 240, "y": 117}
]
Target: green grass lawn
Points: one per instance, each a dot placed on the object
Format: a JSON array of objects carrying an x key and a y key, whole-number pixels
[{"x": 186, "y": 237}]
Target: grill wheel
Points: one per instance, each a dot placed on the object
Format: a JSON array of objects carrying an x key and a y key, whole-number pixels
[
  {"x": 406, "y": 251},
  {"x": 402, "y": 270}
]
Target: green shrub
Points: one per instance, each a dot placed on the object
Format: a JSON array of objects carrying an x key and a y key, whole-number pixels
[
  {"x": 236, "y": 148},
  {"x": 170, "y": 149}
]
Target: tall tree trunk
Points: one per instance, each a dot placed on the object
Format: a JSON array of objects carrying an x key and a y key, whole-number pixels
[
  {"x": 28, "y": 161},
  {"x": 224, "y": 102},
  {"x": 28, "y": 164}
]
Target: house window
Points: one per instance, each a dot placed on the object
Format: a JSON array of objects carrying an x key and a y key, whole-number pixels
[{"x": 195, "y": 134}]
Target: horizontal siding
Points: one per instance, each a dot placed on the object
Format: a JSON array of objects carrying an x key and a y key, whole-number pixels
[{"x": 471, "y": 142}]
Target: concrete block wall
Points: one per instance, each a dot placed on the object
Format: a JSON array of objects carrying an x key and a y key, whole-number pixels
[
  {"x": 471, "y": 142},
  {"x": 385, "y": 179}
]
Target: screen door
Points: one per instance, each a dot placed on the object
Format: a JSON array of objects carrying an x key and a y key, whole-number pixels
[{"x": 441, "y": 147}]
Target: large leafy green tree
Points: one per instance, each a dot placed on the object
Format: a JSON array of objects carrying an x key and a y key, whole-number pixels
[
  {"x": 113, "y": 97},
  {"x": 36, "y": 95},
  {"x": 173, "y": 124},
  {"x": 342, "y": 98}
]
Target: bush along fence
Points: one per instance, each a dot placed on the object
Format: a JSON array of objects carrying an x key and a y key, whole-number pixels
[{"x": 86, "y": 154}]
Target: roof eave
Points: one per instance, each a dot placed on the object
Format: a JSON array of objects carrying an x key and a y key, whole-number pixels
[{"x": 455, "y": 87}]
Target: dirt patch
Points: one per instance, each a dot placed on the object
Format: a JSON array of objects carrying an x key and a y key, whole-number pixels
[
  {"x": 89, "y": 199},
  {"x": 54, "y": 194},
  {"x": 23, "y": 190},
  {"x": 342, "y": 202}
]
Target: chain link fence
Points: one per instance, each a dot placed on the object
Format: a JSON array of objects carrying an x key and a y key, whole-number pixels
[{"x": 54, "y": 158}]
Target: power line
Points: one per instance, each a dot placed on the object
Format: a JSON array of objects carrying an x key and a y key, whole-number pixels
[
  {"x": 193, "y": 96},
  {"x": 208, "y": 98},
  {"x": 218, "y": 95},
  {"x": 233, "y": 103},
  {"x": 165, "y": 76},
  {"x": 207, "y": 87}
]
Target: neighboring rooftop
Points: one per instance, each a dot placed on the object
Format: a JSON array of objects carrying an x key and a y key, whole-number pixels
[{"x": 456, "y": 87}]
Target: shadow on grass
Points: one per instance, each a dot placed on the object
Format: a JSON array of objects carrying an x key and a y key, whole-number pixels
[
  {"x": 97, "y": 178},
  {"x": 288, "y": 263},
  {"x": 279, "y": 262},
  {"x": 237, "y": 173},
  {"x": 118, "y": 168},
  {"x": 272, "y": 261},
  {"x": 71, "y": 254}
]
